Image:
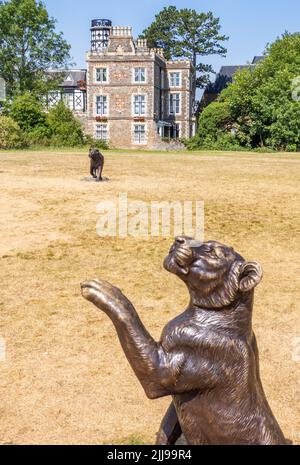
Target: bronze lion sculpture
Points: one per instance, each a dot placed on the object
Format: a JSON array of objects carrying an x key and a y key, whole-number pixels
[
  {"x": 207, "y": 357},
  {"x": 96, "y": 164}
]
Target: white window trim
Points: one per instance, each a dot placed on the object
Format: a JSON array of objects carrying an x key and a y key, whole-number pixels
[
  {"x": 95, "y": 129},
  {"x": 180, "y": 104},
  {"x": 95, "y": 104},
  {"x": 146, "y": 105},
  {"x": 180, "y": 79},
  {"x": 95, "y": 75},
  {"x": 145, "y": 142},
  {"x": 133, "y": 76}
]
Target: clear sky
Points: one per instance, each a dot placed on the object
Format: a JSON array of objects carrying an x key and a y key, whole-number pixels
[{"x": 250, "y": 24}]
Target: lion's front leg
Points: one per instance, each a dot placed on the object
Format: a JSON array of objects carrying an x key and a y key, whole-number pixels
[{"x": 145, "y": 356}]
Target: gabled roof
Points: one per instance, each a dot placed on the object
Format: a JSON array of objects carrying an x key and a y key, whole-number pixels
[
  {"x": 69, "y": 77},
  {"x": 229, "y": 71},
  {"x": 226, "y": 73},
  {"x": 72, "y": 78}
]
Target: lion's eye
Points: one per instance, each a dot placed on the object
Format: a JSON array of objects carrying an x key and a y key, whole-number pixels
[
  {"x": 206, "y": 249},
  {"x": 214, "y": 253}
]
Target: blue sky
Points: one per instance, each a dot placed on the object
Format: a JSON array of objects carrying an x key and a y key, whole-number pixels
[{"x": 250, "y": 24}]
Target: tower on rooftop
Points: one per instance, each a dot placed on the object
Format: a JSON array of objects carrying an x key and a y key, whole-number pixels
[{"x": 100, "y": 32}]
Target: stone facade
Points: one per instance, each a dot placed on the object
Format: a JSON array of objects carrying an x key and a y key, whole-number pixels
[{"x": 135, "y": 98}]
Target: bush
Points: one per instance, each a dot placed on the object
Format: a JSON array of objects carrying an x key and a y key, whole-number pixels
[
  {"x": 40, "y": 135},
  {"x": 64, "y": 128},
  {"x": 27, "y": 111},
  {"x": 215, "y": 125},
  {"x": 95, "y": 143},
  {"x": 260, "y": 104},
  {"x": 11, "y": 136}
]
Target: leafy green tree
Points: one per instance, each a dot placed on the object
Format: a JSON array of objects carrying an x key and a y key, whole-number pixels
[
  {"x": 263, "y": 103},
  {"x": 27, "y": 111},
  {"x": 29, "y": 45},
  {"x": 187, "y": 34},
  {"x": 162, "y": 33}
]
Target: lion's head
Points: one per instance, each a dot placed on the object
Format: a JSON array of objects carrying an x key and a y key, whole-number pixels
[{"x": 215, "y": 274}]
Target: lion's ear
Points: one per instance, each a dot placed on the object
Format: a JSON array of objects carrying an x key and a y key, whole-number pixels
[{"x": 250, "y": 276}]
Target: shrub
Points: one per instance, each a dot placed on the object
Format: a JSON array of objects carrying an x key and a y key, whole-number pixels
[
  {"x": 11, "y": 136},
  {"x": 216, "y": 118},
  {"x": 40, "y": 135},
  {"x": 64, "y": 128},
  {"x": 95, "y": 143},
  {"x": 215, "y": 125},
  {"x": 27, "y": 111}
]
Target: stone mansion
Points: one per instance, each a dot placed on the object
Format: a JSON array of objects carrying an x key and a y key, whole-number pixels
[{"x": 130, "y": 95}]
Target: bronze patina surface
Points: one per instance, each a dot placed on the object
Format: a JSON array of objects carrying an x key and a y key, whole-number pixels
[
  {"x": 96, "y": 164},
  {"x": 207, "y": 357}
]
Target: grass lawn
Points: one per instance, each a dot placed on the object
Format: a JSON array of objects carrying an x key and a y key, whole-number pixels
[{"x": 65, "y": 378}]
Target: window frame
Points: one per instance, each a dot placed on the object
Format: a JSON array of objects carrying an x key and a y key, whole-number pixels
[
  {"x": 134, "y": 75},
  {"x": 96, "y": 72},
  {"x": 134, "y": 96},
  {"x": 175, "y": 113},
  {"x": 96, "y": 105},
  {"x": 180, "y": 79},
  {"x": 140, "y": 141},
  {"x": 107, "y": 131}
]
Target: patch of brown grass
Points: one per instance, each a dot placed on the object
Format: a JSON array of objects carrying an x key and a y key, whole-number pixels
[{"x": 66, "y": 379}]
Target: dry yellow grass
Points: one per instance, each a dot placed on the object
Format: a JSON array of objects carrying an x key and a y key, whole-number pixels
[{"x": 65, "y": 379}]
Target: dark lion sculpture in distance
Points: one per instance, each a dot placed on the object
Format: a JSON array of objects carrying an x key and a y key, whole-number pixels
[
  {"x": 96, "y": 164},
  {"x": 207, "y": 358}
]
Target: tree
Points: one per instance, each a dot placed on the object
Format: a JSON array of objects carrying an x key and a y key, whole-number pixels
[
  {"x": 264, "y": 102},
  {"x": 27, "y": 111},
  {"x": 64, "y": 128},
  {"x": 29, "y": 46},
  {"x": 187, "y": 34}
]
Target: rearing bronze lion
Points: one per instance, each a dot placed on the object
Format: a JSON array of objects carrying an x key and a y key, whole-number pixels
[{"x": 207, "y": 357}]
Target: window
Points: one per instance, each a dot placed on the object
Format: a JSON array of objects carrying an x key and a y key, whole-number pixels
[
  {"x": 139, "y": 105},
  {"x": 101, "y": 132},
  {"x": 101, "y": 105},
  {"x": 139, "y": 133},
  {"x": 139, "y": 75},
  {"x": 101, "y": 74},
  {"x": 175, "y": 79},
  {"x": 174, "y": 104},
  {"x": 68, "y": 99}
]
